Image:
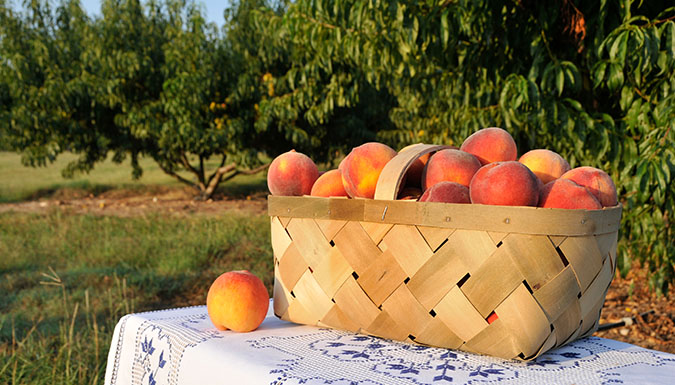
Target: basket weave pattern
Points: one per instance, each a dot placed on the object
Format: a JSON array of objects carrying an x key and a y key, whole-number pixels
[{"x": 428, "y": 273}]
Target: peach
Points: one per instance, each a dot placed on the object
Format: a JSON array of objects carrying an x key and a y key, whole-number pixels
[
  {"x": 448, "y": 192},
  {"x": 292, "y": 173},
  {"x": 329, "y": 184},
  {"x": 565, "y": 194},
  {"x": 414, "y": 174},
  {"x": 598, "y": 182},
  {"x": 545, "y": 164},
  {"x": 505, "y": 183},
  {"x": 362, "y": 167},
  {"x": 237, "y": 300},
  {"x": 491, "y": 144},
  {"x": 450, "y": 166}
]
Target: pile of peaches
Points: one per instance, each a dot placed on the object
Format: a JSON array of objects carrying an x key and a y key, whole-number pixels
[{"x": 485, "y": 169}]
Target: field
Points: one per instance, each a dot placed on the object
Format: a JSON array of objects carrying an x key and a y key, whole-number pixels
[{"x": 78, "y": 254}]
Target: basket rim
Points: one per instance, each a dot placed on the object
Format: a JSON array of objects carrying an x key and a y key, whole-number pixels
[{"x": 506, "y": 219}]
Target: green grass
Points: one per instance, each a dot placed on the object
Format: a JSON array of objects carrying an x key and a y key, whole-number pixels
[
  {"x": 21, "y": 183},
  {"x": 67, "y": 279}
]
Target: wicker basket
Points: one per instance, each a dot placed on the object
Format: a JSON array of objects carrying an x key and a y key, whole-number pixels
[{"x": 433, "y": 273}]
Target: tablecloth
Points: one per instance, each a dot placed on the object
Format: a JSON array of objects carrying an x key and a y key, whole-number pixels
[{"x": 181, "y": 346}]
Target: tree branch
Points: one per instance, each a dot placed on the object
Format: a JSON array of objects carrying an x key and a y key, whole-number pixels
[
  {"x": 180, "y": 178},
  {"x": 217, "y": 176},
  {"x": 188, "y": 166}
]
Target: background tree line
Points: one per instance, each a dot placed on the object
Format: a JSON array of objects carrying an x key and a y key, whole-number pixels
[{"x": 594, "y": 81}]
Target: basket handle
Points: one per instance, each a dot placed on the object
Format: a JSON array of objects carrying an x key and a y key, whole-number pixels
[{"x": 394, "y": 171}]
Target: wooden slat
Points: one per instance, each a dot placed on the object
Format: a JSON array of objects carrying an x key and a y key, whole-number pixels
[
  {"x": 402, "y": 306},
  {"x": 567, "y": 324},
  {"x": 408, "y": 247},
  {"x": 386, "y": 327},
  {"x": 282, "y": 296},
  {"x": 505, "y": 219},
  {"x": 435, "y": 236},
  {"x": 528, "y": 324},
  {"x": 473, "y": 247},
  {"x": 381, "y": 278},
  {"x": 558, "y": 294},
  {"x": 330, "y": 227},
  {"x": 353, "y": 301},
  {"x": 356, "y": 246},
  {"x": 332, "y": 272},
  {"x": 376, "y": 231},
  {"x": 494, "y": 340},
  {"x": 607, "y": 244},
  {"x": 316, "y": 207},
  {"x": 497, "y": 237},
  {"x": 535, "y": 257},
  {"x": 291, "y": 267},
  {"x": 492, "y": 282},
  {"x": 280, "y": 238},
  {"x": 436, "y": 277},
  {"x": 596, "y": 290},
  {"x": 309, "y": 240},
  {"x": 437, "y": 333},
  {"x": 337, "y": 319},
  {"x": 459, "y": 315},
  {"x": 584, "y": 256},
  {"x": 313, "y": 297}
]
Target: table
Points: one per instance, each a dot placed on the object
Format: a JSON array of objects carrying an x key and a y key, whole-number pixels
[{"x": 181, "y": 346}]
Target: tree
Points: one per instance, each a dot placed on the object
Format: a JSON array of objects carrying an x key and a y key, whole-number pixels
[{"x": 601, "y": 96}]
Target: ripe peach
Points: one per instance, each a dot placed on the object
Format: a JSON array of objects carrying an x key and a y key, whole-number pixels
[
  {"x": 448, "y": 192},
  {"x": 565, "y": 194},
  {"x": 415, "y": 171},
  {"x": 329, "y": 184},
  {"x": 505, "y": 183},
  {"x": 292, "y": 173},
  {"x": 237, "y": 300},
  {"x": 545, "y": 164},
  {"x": 362, "y": 167},
  {"x": 491, "y": 144},
  {"x": 598, "y": 182},
  {"x": 450, "y": 166}
]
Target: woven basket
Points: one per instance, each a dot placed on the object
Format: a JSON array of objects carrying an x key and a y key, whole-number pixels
[{"x": 433, "y": 273}]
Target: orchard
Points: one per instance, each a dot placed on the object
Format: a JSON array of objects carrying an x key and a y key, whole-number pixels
[{"x": 580, "y": 84}]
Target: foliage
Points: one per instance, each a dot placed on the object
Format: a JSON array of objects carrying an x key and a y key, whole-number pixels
[
  {"x": 593, "y": 81},
  {"x": 601, "y": 96}
]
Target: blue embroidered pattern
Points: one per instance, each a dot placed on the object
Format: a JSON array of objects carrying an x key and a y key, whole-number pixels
[{"x": 370, "y": 360}]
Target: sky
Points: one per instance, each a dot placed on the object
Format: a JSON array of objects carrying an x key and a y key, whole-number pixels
[{"x": 214, "y": 9}]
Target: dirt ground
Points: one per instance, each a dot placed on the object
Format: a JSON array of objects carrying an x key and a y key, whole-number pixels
[{"x": 627, "y": 297}]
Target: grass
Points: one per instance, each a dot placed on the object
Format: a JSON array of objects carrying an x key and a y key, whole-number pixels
[
  {"x": 62, "y": 299},
  {"x": 23, "y": 183}
]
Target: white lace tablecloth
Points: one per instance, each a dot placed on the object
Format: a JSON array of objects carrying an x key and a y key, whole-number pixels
[{"x": 181, "y": 346}]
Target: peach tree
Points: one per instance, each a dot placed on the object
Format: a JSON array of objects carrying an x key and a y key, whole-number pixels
[{"x": 593, "y": 81}]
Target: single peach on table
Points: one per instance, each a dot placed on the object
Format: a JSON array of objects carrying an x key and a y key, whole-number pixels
[
  {"x": 565, "y": 194},
  {"x": 362, "y": 167},
  {"x": 545, "y": 164},
  {"x": 329, "y": 184},
  {"x": 292, "y": 173},
  {"x": 237, "y": 300},
  {"x": 598, "y": 182},
  {"x": 505, "y": 183},
  {"x": 450, "y": 166},
  {"x": 491, "y": 144},
  {"x": 448, "y": 192}
]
